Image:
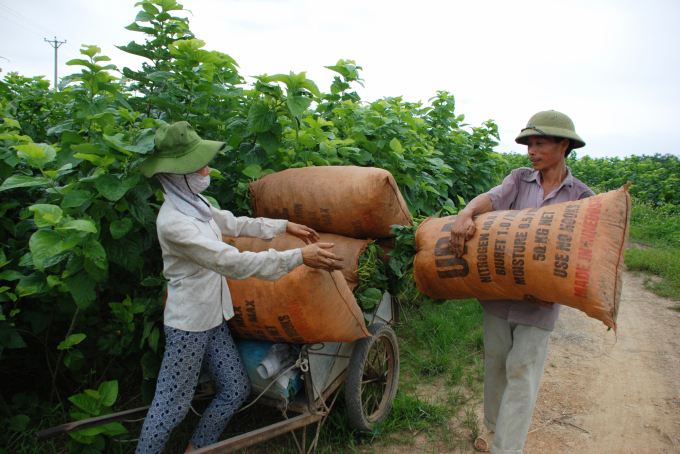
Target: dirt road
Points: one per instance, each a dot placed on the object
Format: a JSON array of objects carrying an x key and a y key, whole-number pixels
[{"x": 621, "y": 397}]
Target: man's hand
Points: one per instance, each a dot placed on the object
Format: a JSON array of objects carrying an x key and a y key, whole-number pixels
[
  {"x": 309, "y": 236},
  {"x": 316, "y": 256},
  {"x": 462, "y": 231}
]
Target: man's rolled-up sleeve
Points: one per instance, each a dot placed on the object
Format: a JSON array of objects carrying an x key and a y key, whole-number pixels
[
  {"x": 505, "y": 193},
  {"x": 262, "y": 228},
  {"x": 186, "y": 240}
]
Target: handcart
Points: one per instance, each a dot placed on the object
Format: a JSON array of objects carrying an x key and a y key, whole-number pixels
[{"x": 369, "y": 368}]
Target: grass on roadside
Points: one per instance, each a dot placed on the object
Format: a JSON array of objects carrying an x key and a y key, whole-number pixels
[
  {"x": 661, "y": 262},
  {"x": 660, "y": 229}
]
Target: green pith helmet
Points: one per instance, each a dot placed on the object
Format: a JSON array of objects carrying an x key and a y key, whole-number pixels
[
  {"x": 550, "y": 123},
  {"x": 179, "y": 150}
]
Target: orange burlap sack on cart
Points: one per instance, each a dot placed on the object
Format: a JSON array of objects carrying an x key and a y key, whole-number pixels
[
  {"x": 358, "y": 202},
  {"x": 568, "y": 253},
  {"x": 348, "y": 248},
  {"x": 303, "y": 307}
]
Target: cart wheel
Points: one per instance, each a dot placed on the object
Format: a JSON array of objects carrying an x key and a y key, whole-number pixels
[{"x": 372, "y": 378}]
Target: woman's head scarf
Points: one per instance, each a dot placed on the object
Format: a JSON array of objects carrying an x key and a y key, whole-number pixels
[{"x": 184, "y": 192}]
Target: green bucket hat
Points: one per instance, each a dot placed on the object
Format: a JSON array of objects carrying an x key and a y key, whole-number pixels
[
  {"x": 550, "y": 123},
  {"x": 179, "y": 150}
]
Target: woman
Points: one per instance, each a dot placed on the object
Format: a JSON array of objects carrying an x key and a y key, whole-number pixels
[
  {"x": 516, "y": 333},
  {"x": 195, "y": 261}
]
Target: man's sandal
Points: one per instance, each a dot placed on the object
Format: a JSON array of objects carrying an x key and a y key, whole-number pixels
[{"x": 482, "y": 444}]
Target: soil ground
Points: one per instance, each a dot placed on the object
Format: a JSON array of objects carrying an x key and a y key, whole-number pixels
[{"x": 600, "y": 394}]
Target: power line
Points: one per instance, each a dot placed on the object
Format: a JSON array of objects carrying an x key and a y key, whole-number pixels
[
  {"x": 24, "y": 18},
  {"x": 27, "y": 29}
]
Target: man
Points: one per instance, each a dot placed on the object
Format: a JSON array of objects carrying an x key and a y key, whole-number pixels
[{"x": 517, "y": 333}]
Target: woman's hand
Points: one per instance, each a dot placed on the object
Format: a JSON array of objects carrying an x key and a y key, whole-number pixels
[
  {"x": 309, "y": 236},
  {"x": 463, "y": 229},
  {"x": 316, "y": 256}
]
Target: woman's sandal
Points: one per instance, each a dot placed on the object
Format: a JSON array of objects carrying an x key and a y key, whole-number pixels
[{"x": 482, "y": 444}]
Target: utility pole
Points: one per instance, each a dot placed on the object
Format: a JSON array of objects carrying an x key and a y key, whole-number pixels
[{"x": 56, "y": 45}]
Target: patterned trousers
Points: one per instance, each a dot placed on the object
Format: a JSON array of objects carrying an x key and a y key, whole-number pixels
[{"x": 184, "y": 354}]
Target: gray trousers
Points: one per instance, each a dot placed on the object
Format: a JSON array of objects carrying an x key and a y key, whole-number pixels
[{"x": 513, "y": 360}]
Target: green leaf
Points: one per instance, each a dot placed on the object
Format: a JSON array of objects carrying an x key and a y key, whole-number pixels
[
  {"x": 160, "y": 76},
  {"x": 82, "y": 288},
  {"x": 9, "y": 338},
  {"x": 82, "y": 436},
  {"x": 269, "y": 141},
  {"x": 114, "y": 428},
  {"x": 22, "y": 181},
  {"x": 212, "y": 201},
  {"x": 120, "y": 228},
  {"x": 395, "y": 145},
  {"x": 85, "y": 402},
  {"x": 111, "y": 187},
  {"x": 19, "y": 423},
  {"x": 151, "y": 281},
  {"x": 74, "y": 359},
  {"x": 83, "y": 225},
  {"x": 48, "y": 243},
  {"x": 89, "y": 50},
  {"x": 97, "y": 160},
  {"x": 92, "y": 393},
  {"x": 298, "y": 105},
  {"x": 108, "y": 392},
  {"x": 260, "y": 118},
  {"x": 310, "y": 86},
  {"x": 149, "y": 8},
  {"x": 95, "y": 252},
  {"x": 253, "y": 171},
  {"x": 153, "y": 339},
  {"x": 52, "y": 281},
  {"x": 256, "y": 155},
  {"x": 144, "y": 16},
  {"x": 30, "y": 150},
  {"x": 46, "y": 215},
  {"x": 73, "y": 339},
  {"x": 373, "y": 294},
  {"x": 35, "y": 283},
  {"x": 125, "y": 251},
  {"x": 10, "y": 275},
  {"x": 139, "y": 207},
  {"x": 144, "y": 145},
  {"x": 37, "y": 155}
]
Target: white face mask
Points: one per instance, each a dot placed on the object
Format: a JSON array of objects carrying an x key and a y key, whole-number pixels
[{"x": 197, "y": 183}]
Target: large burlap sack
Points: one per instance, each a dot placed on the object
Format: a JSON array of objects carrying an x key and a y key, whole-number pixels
[
  {"x": 358, "y": 202},
  {"x": 305, "y": 306},
  {"x": 569, "y": 253},
  {"x": 348, "y": 248}
]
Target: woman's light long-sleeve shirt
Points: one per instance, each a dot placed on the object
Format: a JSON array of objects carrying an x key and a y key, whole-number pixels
[{"x": 195, "y": 262}]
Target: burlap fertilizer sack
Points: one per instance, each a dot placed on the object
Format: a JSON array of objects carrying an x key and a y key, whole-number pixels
[
  {"x": 305, "y": 306},
  {"x": 348, "y": 248},
  {"x": 358, "y": 202},
  {"x": 569, "y": 253}
]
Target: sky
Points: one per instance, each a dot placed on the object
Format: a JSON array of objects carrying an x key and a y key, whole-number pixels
[{"x": 612, "y": 66}]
